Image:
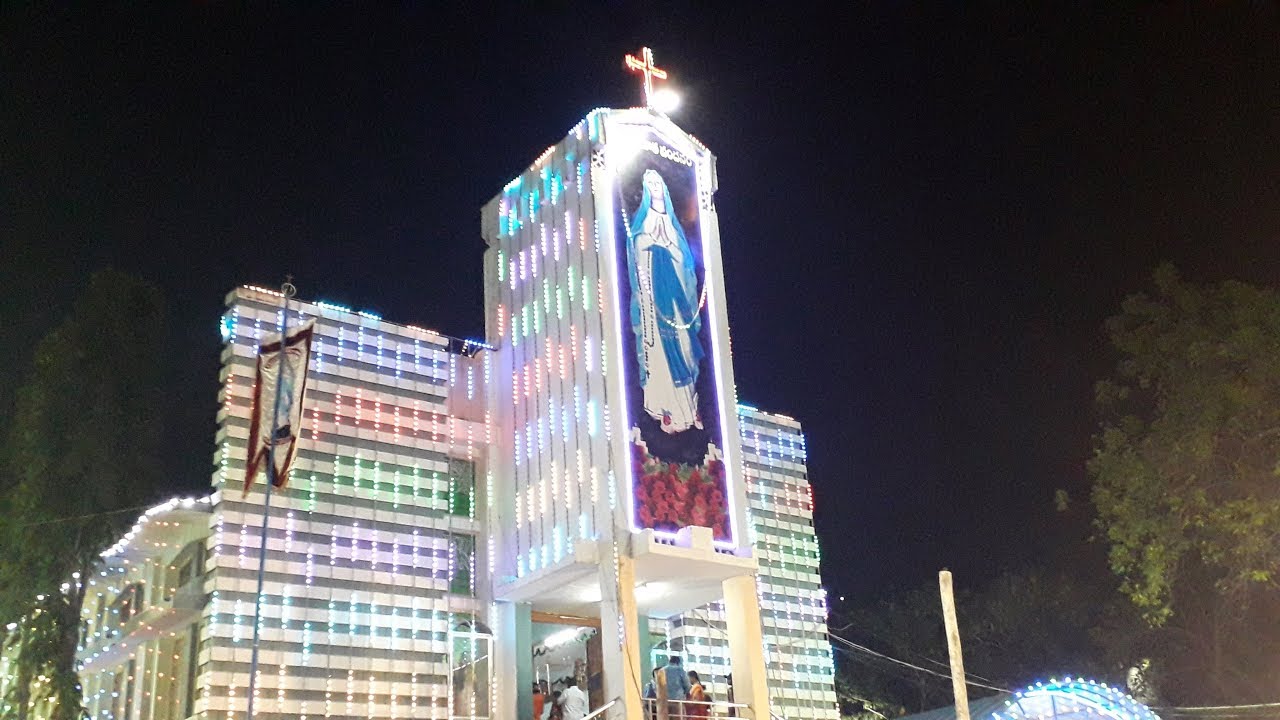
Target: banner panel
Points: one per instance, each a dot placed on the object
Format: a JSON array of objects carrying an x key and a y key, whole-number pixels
[
  {"x": 282, "y": 363},
  {"x": 678, "y": 472}
]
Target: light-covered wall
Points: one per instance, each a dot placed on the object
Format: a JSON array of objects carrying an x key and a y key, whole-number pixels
[
  {"x": 793, "y": 608},
  {"x": 546, "y": 299},
  {"x": 372, "y": 552},
  {"x": 141, "y": 617}
]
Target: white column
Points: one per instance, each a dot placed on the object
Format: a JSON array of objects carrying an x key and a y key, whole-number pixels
[
  {"x": 151, "y": 679},
  {"x": 619, "y": 634},
  {"x": 746, "y": 644},
  {"x": 506, "y": 657}
]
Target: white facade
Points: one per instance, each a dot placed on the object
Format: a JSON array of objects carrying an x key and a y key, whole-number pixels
[
  {"x": 371, "y": 553},
  {"x": 141, "y": 637},
  {"x": 447, "y": 496}
]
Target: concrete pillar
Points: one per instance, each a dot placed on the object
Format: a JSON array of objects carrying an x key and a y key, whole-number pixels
[
  {"x": 151, "y": 678},
  {"x": 746, "y": 644},
  {"x": 513, "y": 661},
  {"x": 620, "y": 641},
  {"x": 646, "y": 649}
]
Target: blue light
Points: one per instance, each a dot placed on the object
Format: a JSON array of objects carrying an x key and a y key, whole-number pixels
[
  {"x": 593, "y": 125},
  {"x": 592, "y": 425},
  {"x": 333, "y": 306}
]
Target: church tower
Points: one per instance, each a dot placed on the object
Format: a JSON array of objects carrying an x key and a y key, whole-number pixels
[{"x": 614, "y": 485}]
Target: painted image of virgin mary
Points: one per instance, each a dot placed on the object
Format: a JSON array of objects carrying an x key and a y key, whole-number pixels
[{"x": 665, "y": 309}]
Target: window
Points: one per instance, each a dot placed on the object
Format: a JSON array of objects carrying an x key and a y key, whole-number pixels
[
  {"x": 462, "y": 487},
  {"x": 129, "y": 603},
  {"x": 462, "y": 553},
  {"x": 193, "y": 658},
  {"x": 190, "y": 563},
  {"x": 128, "y": 690},
  {"x": 471, "y": 674}
]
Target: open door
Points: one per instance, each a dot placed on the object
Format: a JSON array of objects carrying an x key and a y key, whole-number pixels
[{"x": 595, "y": 671}]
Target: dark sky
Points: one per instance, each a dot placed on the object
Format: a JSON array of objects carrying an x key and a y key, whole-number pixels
[{"x": 926, "y": 213}]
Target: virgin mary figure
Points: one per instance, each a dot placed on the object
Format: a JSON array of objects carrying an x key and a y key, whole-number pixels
[{"x": 665, "y": 309}]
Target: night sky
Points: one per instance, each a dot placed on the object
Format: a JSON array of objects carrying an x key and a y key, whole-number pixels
[{"x": 926, "y": 213}]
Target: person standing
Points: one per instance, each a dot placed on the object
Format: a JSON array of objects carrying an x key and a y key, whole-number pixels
[
  {"x": 539, "y": 701},
  {"x": 677, "y": 686},
  {"x": 700, "y": 702},
  {"x": 555, "y": 708},
  {"x": 573, "y": 702},
  {"x": 655, "y": 694},
  {"x": 546, "y": 700}
]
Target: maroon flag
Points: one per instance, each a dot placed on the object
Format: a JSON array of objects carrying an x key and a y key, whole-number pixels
[{"x": 286, "y": 363}]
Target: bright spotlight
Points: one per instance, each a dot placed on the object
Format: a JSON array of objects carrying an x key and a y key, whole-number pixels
[
  {"x": 666, "y": 100},
  {"x": 562, "y": 637}
]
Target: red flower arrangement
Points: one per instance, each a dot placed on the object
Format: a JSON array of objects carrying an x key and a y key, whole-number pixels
[{"x": 671, "y": 496}]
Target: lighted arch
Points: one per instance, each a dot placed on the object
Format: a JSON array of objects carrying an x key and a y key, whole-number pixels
[{"x": 1072, "y": 700}]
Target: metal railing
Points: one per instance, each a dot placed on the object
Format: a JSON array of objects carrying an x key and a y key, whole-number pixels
[
  {"x": 695, "y": 709},
  {"x": 600, "y": 710}
]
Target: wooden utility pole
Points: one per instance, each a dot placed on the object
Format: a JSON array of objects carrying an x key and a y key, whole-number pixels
[{"x": 958, "y": 686}]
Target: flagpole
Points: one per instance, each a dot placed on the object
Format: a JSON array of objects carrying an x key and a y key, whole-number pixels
[{"x": 286, "y": 291}]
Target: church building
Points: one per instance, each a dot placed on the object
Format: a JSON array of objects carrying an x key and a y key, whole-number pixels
[{"x": 580, "y": 494}]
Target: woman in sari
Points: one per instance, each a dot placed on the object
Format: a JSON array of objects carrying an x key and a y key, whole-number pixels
[{"x": 699, "y": 701}]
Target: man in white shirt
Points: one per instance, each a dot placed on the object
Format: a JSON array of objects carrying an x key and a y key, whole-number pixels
[{"x": 573, "y": 702}]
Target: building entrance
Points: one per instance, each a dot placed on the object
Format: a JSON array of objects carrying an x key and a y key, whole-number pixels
[{"x": 567, "y": 647}]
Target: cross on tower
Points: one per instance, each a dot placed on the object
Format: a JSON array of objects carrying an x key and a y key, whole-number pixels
[{"x": 644, "y": 65}]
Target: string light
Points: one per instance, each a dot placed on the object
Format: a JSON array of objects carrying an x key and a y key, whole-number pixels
[
  {"x": 794, "y": 630},
  {"x": 367, "y": 515}
]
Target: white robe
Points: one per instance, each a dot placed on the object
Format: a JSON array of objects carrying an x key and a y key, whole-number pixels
[
  {"x": 675, "y": 408},
  {"x": 573, "y": 703}
]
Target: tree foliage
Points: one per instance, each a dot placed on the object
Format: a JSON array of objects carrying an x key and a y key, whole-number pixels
[
  {"x": 1186, "y": 475},
  {"x": 82, "y": 453}
]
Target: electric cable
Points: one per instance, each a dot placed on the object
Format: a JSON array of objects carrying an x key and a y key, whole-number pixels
[
  {"x": 73, "y": 518},
  {"x": 1210, "y": 708},
  {"x": 861, "y": 648},
  {"x": 920, "y": 656}
]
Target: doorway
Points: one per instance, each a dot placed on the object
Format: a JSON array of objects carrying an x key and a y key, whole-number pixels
[{"x": 567, "y": 647}]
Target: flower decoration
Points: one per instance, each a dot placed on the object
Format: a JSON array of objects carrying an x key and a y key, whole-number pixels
[{"x": 670, "y": 496}]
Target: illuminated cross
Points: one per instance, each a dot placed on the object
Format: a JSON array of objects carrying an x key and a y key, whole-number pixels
[{"x": 644, "y": 65}]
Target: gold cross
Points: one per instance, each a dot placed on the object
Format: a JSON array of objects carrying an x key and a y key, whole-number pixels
[{"x": 644, "y": 65}]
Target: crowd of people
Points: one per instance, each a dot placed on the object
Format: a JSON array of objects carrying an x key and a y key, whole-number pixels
[
  {"x": 567, "y": 702},
  {"x": 681, "y": 692}
]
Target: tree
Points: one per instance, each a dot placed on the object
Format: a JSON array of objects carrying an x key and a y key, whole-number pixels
[
  {"x": 82, "y": 453},
  {"x": 1186, "y": 478},
  {"x": 1021, "y": 627},
  {"x": 906, "y": 625}
]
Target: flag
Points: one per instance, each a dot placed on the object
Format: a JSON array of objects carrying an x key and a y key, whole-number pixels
[{"x": 283, "y": 438}]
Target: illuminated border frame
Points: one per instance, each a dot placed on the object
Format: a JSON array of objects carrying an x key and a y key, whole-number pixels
[{"x": 701, "y": 157}]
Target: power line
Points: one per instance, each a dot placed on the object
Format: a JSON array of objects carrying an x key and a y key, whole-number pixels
[
  {"x": 904, "y": 673},
  {"x": 1258, "y": 706},
  {"x": 920, "y": 656},
  {"x": 1169, "y": 712},
  {"x": 869, "y": 651},
  {"x": 134, "y": 508}
]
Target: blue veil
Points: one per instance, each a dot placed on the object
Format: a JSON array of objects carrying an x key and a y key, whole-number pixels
[{"x": 687, "y": 276}]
